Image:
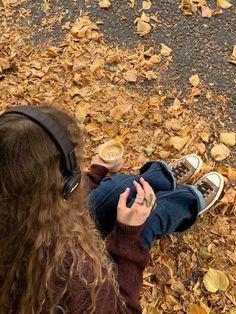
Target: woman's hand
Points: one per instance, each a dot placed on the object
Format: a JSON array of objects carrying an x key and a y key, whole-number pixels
[
  {"x": 144, "y": 203},
  {"x": 96, "y": 160}
]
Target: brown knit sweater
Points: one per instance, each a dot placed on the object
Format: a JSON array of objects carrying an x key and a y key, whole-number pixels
[{"x": 130, "y": 257}]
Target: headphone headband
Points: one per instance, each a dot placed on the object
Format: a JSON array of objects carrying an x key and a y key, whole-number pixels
[{"x": 58, "y": 135}]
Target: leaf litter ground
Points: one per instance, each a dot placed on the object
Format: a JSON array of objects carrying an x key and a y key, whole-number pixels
[{"x": 191, "y": 272}]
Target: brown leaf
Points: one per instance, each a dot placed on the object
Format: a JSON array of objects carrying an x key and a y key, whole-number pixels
[
  {"x": 221, "y": 227},
  {"x": 4, "y": 64},
  {"x": 120, "y": 110}
]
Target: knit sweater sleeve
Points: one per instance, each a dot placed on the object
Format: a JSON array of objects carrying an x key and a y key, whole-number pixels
[
  {"x": 93, "y": 177},
  {"x": 131, "y": 259}
]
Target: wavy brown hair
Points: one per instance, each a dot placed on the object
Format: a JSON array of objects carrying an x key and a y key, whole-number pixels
[{"x": 45, "y": 241}]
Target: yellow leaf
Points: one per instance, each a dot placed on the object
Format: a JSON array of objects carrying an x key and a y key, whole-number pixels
[
  {"x": 164, "y": 154},
  {"x": 104, "y": 4},
  {"x": 149, "y": 150},
  {"x": 81, "y": 112},
  {"x": 220, "y": 152},
  {"x": 205, "y": 136},
  {"x": 165, "y": 51},
  {"x": 91, "y": 127},
  {"x": 146, "y": 5},
  {"x": 145, "y": 17},
  {"x": 234, "y": 52},
  {"x": 224, "y": 4},
  {"x": 201, "y": 148},
  {"x": 215, "y": 280},
  {"x": 196, "y": 309},
  {"x": 194, "y": 80},
  {"x": 233, "y": 310},
  {"x": 228, "y": 139},
  {"x": 143, "y": 28},
  {"x": 5, "y": 3},
  {"x": 179, "y": 142},
  {"x": 206, "y": 11}
]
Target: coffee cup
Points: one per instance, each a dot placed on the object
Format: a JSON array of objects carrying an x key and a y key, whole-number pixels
[{"x": 110, "y": 152}]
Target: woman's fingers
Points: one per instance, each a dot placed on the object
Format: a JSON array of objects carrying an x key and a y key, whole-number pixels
[
  {"x": 146, "y": 187},
  {"x": 149, "y": 194},
  {"x": 142, "y": 206},
  {"x": 140, "y": 190},
  {"x": 123, "y": 199}
]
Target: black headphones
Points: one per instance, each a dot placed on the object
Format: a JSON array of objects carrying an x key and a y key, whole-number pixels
[{"x": 69, "y": 169}]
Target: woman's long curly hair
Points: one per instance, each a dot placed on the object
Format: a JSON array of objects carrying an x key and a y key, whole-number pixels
[{"x": 45, "y": 241}]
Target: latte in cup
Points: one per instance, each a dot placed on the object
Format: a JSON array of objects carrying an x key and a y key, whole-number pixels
[{"x": 112, "y": 151}]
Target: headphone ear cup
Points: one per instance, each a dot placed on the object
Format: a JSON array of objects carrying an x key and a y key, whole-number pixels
[{"x": 71, "y": 183}]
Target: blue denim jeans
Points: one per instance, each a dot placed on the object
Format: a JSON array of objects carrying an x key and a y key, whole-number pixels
[{"x": 176, "y": 210}]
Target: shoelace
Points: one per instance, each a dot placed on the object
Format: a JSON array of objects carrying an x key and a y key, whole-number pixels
[
  {"x": 180, "y": 170},
  {"x": 204, "y": 188}
]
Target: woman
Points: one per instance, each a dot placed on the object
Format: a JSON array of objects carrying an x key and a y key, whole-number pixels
[{"x": 52, "y": 258}]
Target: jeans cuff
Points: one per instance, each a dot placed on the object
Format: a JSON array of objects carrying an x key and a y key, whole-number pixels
[
  {"x": 169, "y": 170},
  {"x": 200, "y": 199}
]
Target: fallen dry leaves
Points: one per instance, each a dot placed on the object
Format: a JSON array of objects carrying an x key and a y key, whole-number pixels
[
  {"x": 203, "y": 7},
  {"x": 91, "y": 80}
]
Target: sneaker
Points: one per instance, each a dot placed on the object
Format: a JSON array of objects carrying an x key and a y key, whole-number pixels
[
  {"x": 185, "y": 168},
  {"x": 211, "y": 186}
]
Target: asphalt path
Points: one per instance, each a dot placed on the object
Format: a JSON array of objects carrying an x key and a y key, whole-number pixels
[{"x": 200, "y": 45}]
